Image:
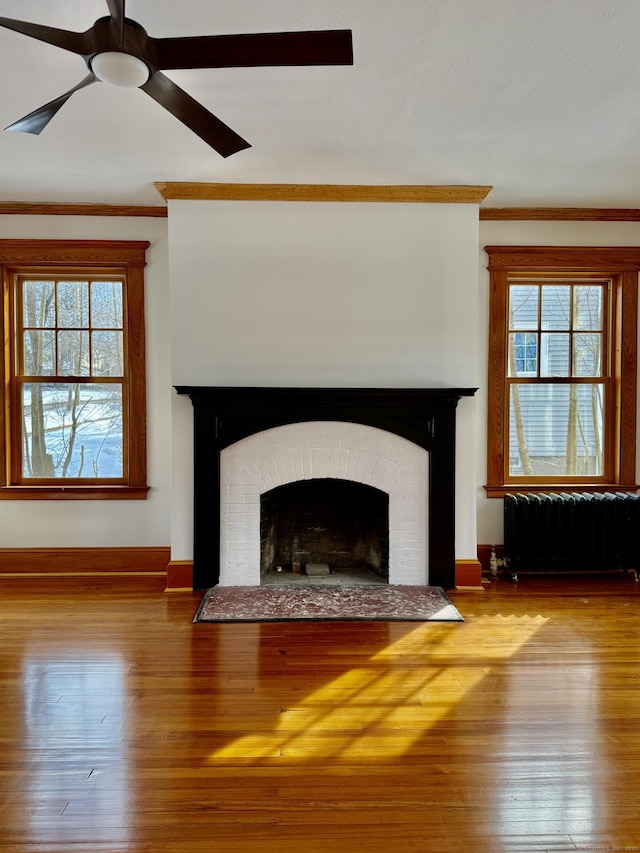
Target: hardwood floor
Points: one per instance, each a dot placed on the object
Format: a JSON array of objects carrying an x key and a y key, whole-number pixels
[{"x": 124, "y": 727}]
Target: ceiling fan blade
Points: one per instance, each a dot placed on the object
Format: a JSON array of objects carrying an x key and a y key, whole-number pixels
[
  {"x": 322, "y": 47},
  {"x": 196, "y": 117},
  {"x": 116, "y": 10},
  {"x": 67, "y": 40},
  {"x": 36, "y": 121}
]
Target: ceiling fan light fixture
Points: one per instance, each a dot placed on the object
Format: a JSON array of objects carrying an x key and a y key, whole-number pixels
[
  {"x": 119, "y": 51},
  {"x": 120, "y": 69}
]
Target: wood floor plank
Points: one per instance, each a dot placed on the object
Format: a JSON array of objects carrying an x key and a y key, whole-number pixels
[{"x": 126, "y": 728}]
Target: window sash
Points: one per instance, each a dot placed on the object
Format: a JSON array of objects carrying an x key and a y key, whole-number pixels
[
  {"x": 69, "y": 440},
  {"x": 556, "y": 430},
  {"x": 557, "y": 342},
  {"x": 53, "y": 327}
]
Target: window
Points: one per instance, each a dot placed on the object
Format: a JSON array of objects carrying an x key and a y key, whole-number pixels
[
  {"x": 562, "y": 368},
  {"x": 74, "y": 370}
]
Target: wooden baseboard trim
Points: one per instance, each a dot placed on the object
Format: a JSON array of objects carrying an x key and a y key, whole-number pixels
[
  {"x": 179, "y": 576},
  {"x": 84, "y": 561},
  {"x": 469, "y": 575}
]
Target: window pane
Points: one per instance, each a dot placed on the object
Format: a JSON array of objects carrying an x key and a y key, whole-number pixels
[
  {"x": 523, "y": 354},
  {"x": 587, "y": 354},
  {"x": 556, "y": 301},
  {"x": 72, "y": 430},
  {"x": 587, "y": 307},
  {"x": 106, "y": 354},
  {"x": 40, "y": 353},
  {"x": 555, "y": 358},
  {"x": 73, "y": 304},
  {"x": 73, "y": 353},
  {"x": 523, "y": 306},
  {"x": 38, "y": 304},
  {"x": 555, "y": 430},
  {"x": 106, "y": 304}
]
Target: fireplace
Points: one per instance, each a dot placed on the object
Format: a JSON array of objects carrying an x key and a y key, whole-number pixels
[{"x": 231, "y": 422}]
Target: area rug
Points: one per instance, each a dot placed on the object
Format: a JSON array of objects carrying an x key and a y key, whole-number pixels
[{"x": 375, "y": 602}]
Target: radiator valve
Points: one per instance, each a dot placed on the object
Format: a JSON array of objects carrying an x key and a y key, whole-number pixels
[{"x": 496, "y": 563}]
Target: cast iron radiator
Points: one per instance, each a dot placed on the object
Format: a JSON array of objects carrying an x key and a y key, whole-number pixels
[{"x": 577, "y": 532}]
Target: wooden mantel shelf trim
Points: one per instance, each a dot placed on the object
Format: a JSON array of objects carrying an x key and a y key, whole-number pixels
[{"x": 322, "y": 192}]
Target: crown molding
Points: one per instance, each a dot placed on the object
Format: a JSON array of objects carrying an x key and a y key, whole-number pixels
[
  {"x": 42, "y": 208},
  {"x": 322, "y": 192},
  {"x": 325, "y": 192},
  {"x": 561, "y": 214}
]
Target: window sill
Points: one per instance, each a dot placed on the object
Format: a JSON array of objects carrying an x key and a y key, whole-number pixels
[
  {"x": 537, "y": 488},
  {"x": 73, "y": 493}
]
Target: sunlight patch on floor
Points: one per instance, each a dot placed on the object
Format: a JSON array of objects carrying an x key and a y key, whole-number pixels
[{"x": 385, "y": 707}]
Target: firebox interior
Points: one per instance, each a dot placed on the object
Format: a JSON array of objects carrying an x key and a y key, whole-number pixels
[{"x": 340, "y": 523}]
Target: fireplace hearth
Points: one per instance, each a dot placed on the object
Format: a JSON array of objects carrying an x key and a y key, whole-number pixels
[{"x": 226, "y": 415}]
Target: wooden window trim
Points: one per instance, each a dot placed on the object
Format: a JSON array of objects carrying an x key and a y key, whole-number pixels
[
  {"x": 621, "y": 264},
  {"x": 63, "y": 256}
]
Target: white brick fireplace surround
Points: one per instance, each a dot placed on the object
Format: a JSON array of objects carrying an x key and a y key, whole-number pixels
[{"x": 320, "y": 449}]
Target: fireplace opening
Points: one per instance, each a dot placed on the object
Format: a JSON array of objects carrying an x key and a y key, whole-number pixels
[{"x": 325, "y": 525}]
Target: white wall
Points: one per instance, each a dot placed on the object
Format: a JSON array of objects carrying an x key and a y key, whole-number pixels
[
  {"x": 51, "y": 524},
  {"x": 325, "y": 294},
  {"x": 313, "y": 294},
  {"x": 489, "y": 511}
]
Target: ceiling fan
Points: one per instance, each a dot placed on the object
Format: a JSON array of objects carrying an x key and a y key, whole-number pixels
[{"x": 118, "y": 50}]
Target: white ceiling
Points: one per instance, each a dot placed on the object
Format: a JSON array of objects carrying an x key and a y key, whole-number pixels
[{"x": 539, "y": 98}]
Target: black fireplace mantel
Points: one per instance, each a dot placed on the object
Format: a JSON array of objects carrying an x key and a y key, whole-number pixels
[{"x": 224, "y": 415}]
